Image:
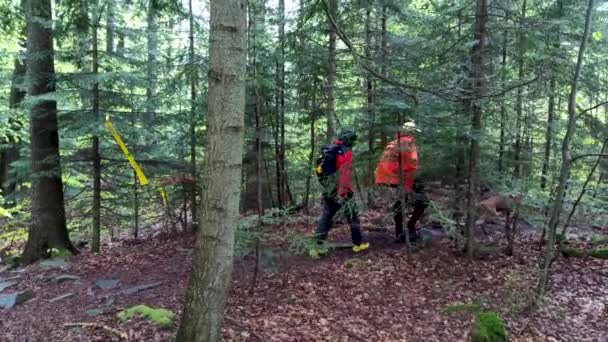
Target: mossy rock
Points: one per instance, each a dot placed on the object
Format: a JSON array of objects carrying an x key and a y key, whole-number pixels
[
  {"x": 162, "y": 318},
  {"x": 488, "y": 327},
  {"x": 599, "y": 240},
  {"x": 600, "y": 253},
  {"x": 571, "y": 252}
]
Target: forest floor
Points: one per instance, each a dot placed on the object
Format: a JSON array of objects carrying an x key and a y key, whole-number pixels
[{"x": 372, "y": 296}]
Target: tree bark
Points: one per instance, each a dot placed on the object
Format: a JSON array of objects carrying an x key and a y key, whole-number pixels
[
  {"x": 152, "y": 46},
  {"x": 96, "y": 210},
  {"x": 212, "y": 262},
  {"x": 520, "y": 97},
  {"x": 48, "y": 226},
  {"x": 110, "y": 14},
  {"x": 479, "y": 79},
  {"x": 193, "y": 79},
  {"x": 331, "y": 75},
  {"x": 551, "y": 109},
  {"x": 311, "y": 158},
  {"x": 503, "y": 105},
  {"x": 566, "y": 159},
  {"x": 370, "y": 109}
]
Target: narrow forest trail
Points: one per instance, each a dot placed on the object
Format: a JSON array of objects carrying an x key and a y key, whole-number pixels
[{"x": 374, "y": 296}]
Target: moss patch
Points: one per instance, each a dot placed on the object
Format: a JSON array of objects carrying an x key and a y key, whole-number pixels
[
  {"x": 488, "y": 327},
  {"x": 600, "y": 253},
  {"x": 599, "y": 240},
  {"x": 160, "y": 317}
]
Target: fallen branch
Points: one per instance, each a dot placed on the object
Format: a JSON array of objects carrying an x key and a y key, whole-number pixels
[{"x": 121, "y": 335}]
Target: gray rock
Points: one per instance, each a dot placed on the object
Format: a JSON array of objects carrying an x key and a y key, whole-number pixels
[
  {"x": 10, "y": 278},
  {"x": 8, "y": 301},
  {"x": 64, "y": 277},
  {"x": 107, "y": 284},
  {"x": 135, "y": 289},
  {"x": 54, "y": 263},
  {"x": 56, "y": 299},
  {"x": 6, "y": 284},
  {"x": 94, "y": 312}
]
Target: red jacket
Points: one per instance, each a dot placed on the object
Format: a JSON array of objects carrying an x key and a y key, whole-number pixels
[
  {"x": 344, "y": 164},
  {"x": 387, "y": 172}
]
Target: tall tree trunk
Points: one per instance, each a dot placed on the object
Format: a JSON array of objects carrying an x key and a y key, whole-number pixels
[
  {"x": 96, "y": 210},
  {"x": 551, "y": 109},
  {"x": 311, "y": 158},
  {"x": 212, "y": 262},
  {"x": 566, "y": 158},
  {"x": 258, "y": 138},
  {"x": 110, "y": 14},
  {"x": 503, "y": 105},
  {"x": 479, "y": 79},
  {"x": 520, "y": 96},
  {"x": 369, "y": 182},
  {"x": 152, "y": 42},
  {"x": 48, "y": 227},
  {"x": 331, "y": 75},
  {"x": 284, "y": 178},
  {"x": 193, "y": 79}
]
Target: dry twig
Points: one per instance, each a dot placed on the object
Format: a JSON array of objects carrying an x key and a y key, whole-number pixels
[{"x": 121, "y": 335}]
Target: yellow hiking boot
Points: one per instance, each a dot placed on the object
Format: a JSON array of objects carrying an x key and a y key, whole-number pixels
[{"x": 361, "y": 247}]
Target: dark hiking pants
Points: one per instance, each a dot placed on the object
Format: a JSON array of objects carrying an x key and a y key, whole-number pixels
[
  {"x": 419, "y": 201},
  {"x": 331, "y": 207}
]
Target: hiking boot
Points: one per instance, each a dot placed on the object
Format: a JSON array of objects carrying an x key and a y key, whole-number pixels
[{"x": 360, "y": 247}]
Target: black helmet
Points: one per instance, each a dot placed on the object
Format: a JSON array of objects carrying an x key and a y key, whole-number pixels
[{"x": 348, "y": 137}]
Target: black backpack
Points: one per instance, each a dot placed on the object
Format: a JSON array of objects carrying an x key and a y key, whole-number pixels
[{"x": 327, "y": 163}]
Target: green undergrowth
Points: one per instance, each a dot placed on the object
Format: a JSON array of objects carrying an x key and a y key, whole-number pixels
[
  {"x": 162, "y": 318},
  {"x": 488, "y": 327}
]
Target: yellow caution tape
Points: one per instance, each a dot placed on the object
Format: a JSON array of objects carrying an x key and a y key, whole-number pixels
[
  {"x": 163, "y": 195},
  {"x": 143, "y": 180},
  {"x": 140, "y": 174}
]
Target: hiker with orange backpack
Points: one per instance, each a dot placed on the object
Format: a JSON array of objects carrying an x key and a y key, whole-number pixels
[
  {"x": 403, "y": 152},
  {"x": 334, "y": 173}
]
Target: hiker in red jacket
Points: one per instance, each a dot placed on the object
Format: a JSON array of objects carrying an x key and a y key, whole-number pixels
[
  {"x": 338, "y": 194},
  {"x": 387, "y": 174}
]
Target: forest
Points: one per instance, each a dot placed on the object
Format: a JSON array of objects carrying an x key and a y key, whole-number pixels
[{"x": 304, "y": 170}]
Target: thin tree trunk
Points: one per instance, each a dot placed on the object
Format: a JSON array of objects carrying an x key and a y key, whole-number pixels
[
  {"x": 311, "y": 158},
  {"x": 370, "y": 110},
  {"x": 520, "y": 96},
  {"x": 566, "y": 159},
  {"x": 503, "y": 105},
  {"x": 212, "y": 262},
  {"x": 96, "y": 210},
  {"x": 136, "y": 206},
  {"x": 110, "y": 14},
  {"x": 284, "y": 177},
  {"x": 584, "y": 189},
  {"x": 258, "y": 139},
  {"x": 193, "y": 78},
  {"x": 48, "y": 226},
  {"x": 152, "y": 46},
  {"x": 331, "y": 75},
  {"x": 551, "y": 109},
  {"x": 479, "y": 79}
]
